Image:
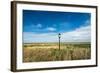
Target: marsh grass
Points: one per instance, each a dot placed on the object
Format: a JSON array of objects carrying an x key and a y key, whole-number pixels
[{"x": 37, "y": 52}]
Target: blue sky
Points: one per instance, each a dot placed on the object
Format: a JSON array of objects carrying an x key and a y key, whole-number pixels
[{"x": 43, "y": 26}]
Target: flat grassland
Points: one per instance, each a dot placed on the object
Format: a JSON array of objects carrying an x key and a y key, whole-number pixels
[{"x": 36, "y": 52}]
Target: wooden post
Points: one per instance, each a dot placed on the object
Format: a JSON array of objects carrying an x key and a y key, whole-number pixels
[{"x": 59, "y": 35}]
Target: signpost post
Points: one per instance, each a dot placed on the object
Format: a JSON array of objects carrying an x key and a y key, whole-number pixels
[{"x": 59, "y": 36}]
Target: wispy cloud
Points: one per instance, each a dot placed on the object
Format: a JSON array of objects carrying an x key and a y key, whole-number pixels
[
  {"x": 51, "y": 29},
  {"x": 43, "y": 37},
  {"x": 39, "y": 26},
  {"x": 82, "y": 34}
]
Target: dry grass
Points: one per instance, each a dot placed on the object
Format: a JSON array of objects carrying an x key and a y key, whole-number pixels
[{"x": 36, "y": 52}]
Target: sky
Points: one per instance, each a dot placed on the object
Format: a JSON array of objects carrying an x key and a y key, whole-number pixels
[{"x": 44, "y": 26}]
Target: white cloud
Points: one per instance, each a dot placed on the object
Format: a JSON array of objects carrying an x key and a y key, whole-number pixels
[
  {"x": 82, "y": 34},
  {"x": 39, "y": 25},
  {"x": 51, "y": 29},
  {"x": 45, "y": 37},
  {"x": 87, "y": 22}
]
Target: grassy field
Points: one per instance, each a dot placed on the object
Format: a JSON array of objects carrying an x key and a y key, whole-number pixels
[{"x": 36, "y": 52}]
